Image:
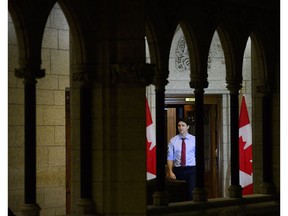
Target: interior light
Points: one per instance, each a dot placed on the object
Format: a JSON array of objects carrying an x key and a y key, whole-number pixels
[{"x": 190, "y": 99}]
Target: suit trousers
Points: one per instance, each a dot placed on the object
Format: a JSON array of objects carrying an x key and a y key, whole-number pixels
[{"x": 187, "y": 173}]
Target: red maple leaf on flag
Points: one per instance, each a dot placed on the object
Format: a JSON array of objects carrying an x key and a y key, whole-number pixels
[
  {"x": 245, "y": 157},
  {"x": 245, "y": 150}
]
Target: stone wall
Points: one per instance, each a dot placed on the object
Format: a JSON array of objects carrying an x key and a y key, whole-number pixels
[
  {"x": 15, "y": 126},
  {"x": 50, "y": 119}
]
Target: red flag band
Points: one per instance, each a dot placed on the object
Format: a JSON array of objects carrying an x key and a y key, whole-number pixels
[
  {"x": 150, "y": 145},
  {"x": 245, "y": 150}
]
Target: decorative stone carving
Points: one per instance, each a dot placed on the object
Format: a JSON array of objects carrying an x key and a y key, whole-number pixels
[
  {"x": 135, "y": 74},
  {"x": 264, "y": 88},
  {"x": 182, "y": 61},
  {"x": 209, "y": 61},
  {"x": 198, "y": 84},
  {"x": 84, "y": 74},
  {"x": 160, "y": 79},
  {"x": 29, "y": 74},
  {"x": 233, "y": 84},
  {"x": 80, "y": 76}
]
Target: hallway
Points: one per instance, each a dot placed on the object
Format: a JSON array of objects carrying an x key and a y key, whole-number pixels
[{"x": 86, "y": 156}]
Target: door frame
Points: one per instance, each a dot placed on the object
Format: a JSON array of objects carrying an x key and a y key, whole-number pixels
[{"x": 215, "y": 100}]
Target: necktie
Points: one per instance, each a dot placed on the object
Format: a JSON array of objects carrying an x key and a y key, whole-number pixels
[{"x": 183, "y": 153}]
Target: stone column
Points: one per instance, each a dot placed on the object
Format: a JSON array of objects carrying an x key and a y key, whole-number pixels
[
  {"x": 267, "y": 187},
  {"x": 235, "y": 189},
  {"x": 199, "y": 192},
  {"x": 160, "y": 196},
  {"x": 128, "y": 82},
  {"x": 30, "y": 73},
  {"x": 81, "y": 76}
]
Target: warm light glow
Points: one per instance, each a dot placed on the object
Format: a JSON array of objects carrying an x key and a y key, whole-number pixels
[{"x": 189, "y": 99}]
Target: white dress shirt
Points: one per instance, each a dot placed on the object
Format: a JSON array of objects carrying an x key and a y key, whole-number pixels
[{"x": 175, "y": 147}]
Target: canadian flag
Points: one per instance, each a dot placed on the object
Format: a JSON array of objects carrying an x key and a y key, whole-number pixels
[
  {"x": 245, "y": 150},
  {"x": 150, "y": 145}
]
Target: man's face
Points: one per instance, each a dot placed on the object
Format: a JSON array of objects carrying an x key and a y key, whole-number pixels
[{"x": 183, "y": 128}]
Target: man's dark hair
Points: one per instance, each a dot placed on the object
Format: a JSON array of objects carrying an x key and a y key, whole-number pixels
[{"x": 185, "y": 120}]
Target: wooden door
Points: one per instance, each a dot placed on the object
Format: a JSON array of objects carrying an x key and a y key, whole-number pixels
[{"x": 171, "y": 123}]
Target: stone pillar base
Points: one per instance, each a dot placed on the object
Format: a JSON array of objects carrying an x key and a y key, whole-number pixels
[
  {"x": 200, "y": 195},
  {"x": 267, "y": 188},
  {"x": 160, "y": 198},
  {"x": 31, "y": 210},
  {"x": 85, "y": 206},
  {"x": 235, "y": 191}
]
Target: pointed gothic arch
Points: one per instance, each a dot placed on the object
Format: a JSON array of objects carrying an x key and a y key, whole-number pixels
[
  {"x": 105, "y": 33},
  {"x": 29, "y": 35}
]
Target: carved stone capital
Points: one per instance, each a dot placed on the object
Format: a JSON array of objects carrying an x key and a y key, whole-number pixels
[
  {"x": 160, "y": 79},
  {"x": 136, "y": 74},
  {"x": 233, "y": 86},
  {"x": 85, "y": 74},
  {"x": 80, "y": 77},
  {"x": 29, "y": 74},
  {"x": 198, "y": 84},
  {"x": 263, "y": 88}
]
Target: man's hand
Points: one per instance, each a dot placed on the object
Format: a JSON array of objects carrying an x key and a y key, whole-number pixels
[{"x": 171, "y": 175}]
